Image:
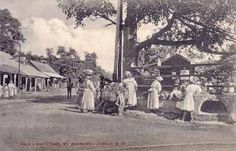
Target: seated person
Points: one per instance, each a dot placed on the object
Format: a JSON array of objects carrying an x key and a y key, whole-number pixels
[
  {"x": 176, "y": 94},
  {"x": 115, "y": 102}
]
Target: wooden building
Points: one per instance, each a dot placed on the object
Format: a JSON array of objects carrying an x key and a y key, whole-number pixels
[
  {"x": 175, "y": 67},
  {"x": 53, "y": 78},
  {"x": 31, "y": 78}
]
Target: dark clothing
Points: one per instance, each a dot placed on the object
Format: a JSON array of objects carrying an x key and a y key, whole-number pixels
[
  {"x": 185, "y": 116},
  {"x": 104, "y": 82},
  {"x": 69, "y": 93},
  {"x": 109, "y": 107},
  {"x": 69, "y": 89}
]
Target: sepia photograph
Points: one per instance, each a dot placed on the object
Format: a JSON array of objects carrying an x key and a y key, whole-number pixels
[{"x": 117, "y": 75}]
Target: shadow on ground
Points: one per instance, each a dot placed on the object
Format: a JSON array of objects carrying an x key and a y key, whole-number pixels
[{"x": 53, "y": 99}]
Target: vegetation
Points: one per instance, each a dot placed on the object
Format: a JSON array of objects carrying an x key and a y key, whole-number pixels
[
  {"x": 204, "y": 25},
  {"x": 10, "y": 32}
]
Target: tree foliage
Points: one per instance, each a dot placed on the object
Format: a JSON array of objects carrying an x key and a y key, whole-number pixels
[
  {"x": 10, "y": 32},
  {"x": 68, "y": 63},
  {"x": 82, "y": 9},
  {"x": 201, "y": 24}
]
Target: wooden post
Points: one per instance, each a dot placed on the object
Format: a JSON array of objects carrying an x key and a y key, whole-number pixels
[
  {"x": 35, "y": 84},
  {"x": 26, "y": 83},
  {"x": 118, "y": 64},
  {"x": 14, "y": 81}
]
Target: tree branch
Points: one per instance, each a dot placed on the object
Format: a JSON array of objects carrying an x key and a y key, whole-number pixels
[
  {"x": 154, "y": 38},
  {"x": 106, "y": 18}
]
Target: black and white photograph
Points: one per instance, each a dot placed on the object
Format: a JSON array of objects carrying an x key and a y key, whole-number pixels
[{"x": 117, "y": 75}]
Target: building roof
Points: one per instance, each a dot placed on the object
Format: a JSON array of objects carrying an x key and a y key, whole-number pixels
[
  {"x": 176, "y": 55},
  {"x": 10, "y": 65},
  {"x": 46, "y": 69},
  {"x": 31, "y": 71},
  {"x": 9, "y": 69}
]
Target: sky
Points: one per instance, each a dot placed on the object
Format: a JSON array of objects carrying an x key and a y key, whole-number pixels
[{"x": 45, "y": 26}]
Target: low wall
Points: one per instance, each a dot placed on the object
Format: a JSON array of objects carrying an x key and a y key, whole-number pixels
[{"x": 170, "y": 106}]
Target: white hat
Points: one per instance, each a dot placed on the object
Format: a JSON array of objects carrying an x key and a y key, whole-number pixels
[
  {"x": 127, "y": 73},
  {"x": 194, "y": 80},
  {"x": 159, "y": 78},
  {"x": 88, "y": 72}
]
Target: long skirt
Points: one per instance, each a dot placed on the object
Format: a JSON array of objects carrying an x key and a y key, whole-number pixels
[
  {"x": 132, "y": 98},
  {"x": 6, "y": 93},
  {"x": 11, "y": 92},
  {"x": 153, "y": 100},
  {"x": 87, "y": 102}
]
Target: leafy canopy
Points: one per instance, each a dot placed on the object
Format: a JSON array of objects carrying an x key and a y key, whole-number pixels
[
  {"x": 10, "y": 33},
  {"x": 201, "y": 24}
]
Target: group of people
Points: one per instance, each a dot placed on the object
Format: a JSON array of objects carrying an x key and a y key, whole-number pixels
[
  {"x": 91, "y": 98},
  {"x": 97, "y": 98},
  {"x": 183, "y": 94},
  {"x": 8, "y": 91}
]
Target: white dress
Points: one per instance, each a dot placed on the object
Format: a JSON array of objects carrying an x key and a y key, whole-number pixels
[
  {"x": 131, "y": 85},
  {"x": 88, "y": 99},
  {"x": 6, "y": 91},
  {"x": 188, "y": 103},
  {"x": 11, "y": 87},
  {"x": 153, "y": 95}
]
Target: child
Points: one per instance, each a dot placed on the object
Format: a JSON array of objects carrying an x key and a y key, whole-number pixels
[{"x": 120, "y": 100}]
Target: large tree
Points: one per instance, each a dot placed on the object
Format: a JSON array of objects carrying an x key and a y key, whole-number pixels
[
  {"x": 10, "y": 32},
  {"x": 200, "y": 24}
]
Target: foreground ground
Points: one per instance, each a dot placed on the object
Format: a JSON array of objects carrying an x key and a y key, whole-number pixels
[{"x": 52, "y": 123}]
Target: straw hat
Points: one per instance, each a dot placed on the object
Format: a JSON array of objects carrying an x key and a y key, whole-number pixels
[
  {"x": 128, "y": 74},
  {"x": 88, "y": 72},
  {"x": 194, "y": 80},
  {"x": 159, "y": 78}
]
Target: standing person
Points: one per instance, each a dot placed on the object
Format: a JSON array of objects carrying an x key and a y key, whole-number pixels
[
  {"x": 5, "y": 91},
  {"x": 120, "y": 100},
  {"x": 11, "y": 87},
  {"x": 69, "y": 88},
  {"x": 1, "y": 91},
  {"x": 131, "y": 86},
  {"x": 188, "y": 103},
  {"x": 153, "y": 96},
  {"x": 80, "y": 91},
  {"x": 88, "y": 100}
]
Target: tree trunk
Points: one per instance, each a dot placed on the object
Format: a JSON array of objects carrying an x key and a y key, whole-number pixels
[{"x": 130, "y": 37}]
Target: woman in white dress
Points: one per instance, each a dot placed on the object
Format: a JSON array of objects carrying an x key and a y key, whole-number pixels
[
  {"x": 88, "y": 100},
  {"x": 11, "y": 89},
  {"x": 153, "y": 94},
  {"x": 188, "y": 102},
  {"x": 131, "y": 86},
  {"x": 5, "y": 91}
]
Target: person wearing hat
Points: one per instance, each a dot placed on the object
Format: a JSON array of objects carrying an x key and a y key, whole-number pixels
[
  {"x": 88, "y": 99},
  {"x": 188, "y": 102},
  {"x": 131, "y": 85},
  {"x": 153, "y": 94}
]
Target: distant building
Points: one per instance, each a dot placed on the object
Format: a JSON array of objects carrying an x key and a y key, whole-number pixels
[
  {"x": 54, "y": 77},
  {"x": 175, "y": 66},
  {"x": 31, "y": 79}
]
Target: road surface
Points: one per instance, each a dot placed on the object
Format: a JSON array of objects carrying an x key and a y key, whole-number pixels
[{"x": 54, "y": 124}]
